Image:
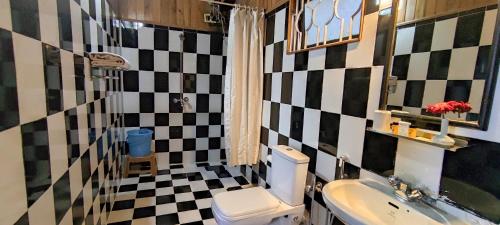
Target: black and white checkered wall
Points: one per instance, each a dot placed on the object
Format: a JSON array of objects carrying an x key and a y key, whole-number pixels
[
  {"x": 443, "y": 59},
  {"x": 60, "y": 130},
  {"x": 154, "y": 52},
  {"x": 321, "y": 101}
]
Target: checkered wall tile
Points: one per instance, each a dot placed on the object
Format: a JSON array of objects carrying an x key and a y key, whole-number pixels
[
  {"x": 321, "y": 101},
  {"x": 61, "y": 131},
  {"x": 192, "y": 135},
  {"x": 443, "y": 59}
]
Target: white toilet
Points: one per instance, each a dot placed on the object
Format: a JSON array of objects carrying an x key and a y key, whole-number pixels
[{"x": 282, "y": 204}]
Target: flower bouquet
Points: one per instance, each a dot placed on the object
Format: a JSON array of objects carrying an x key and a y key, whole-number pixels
[{"x": 441, "y": 109}]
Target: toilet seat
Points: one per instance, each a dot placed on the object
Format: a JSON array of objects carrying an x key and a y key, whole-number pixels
[{"x": 244, "y": 203}]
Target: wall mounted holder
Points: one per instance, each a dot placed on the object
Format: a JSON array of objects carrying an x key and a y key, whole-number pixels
[{"x": 102, "y": 61}]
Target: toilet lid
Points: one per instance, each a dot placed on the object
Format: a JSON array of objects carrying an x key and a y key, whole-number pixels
[{"x": 245, "y": 201}]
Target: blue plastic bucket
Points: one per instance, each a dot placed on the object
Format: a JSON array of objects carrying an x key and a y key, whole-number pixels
[{"x": 139, "y": 142}]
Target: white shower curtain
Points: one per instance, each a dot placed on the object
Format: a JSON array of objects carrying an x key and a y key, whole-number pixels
[{"x": 243, "y": 86}]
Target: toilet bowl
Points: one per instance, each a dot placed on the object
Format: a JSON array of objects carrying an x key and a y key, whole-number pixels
[{"x": 282, "y": 204}]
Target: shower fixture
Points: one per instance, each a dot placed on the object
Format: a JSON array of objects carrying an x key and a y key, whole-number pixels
[{"x": 181, "y": 100}]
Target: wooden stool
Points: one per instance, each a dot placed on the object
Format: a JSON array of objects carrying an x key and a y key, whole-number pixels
[{"x": 151, "y": 158}]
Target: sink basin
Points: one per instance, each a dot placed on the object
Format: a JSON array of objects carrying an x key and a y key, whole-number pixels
[{"x": 367, "y": 202}]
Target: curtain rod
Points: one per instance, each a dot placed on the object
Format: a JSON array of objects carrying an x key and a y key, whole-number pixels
[{"x": 228, "y": 4}]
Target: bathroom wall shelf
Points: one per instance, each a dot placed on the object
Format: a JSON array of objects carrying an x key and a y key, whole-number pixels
[{"x": 459, "y": 142}]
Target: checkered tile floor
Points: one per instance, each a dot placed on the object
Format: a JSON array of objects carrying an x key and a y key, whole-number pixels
[{"x": 179, "y": 195}]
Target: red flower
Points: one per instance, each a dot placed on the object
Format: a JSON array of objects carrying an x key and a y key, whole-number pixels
[
  {"x": 460, "y": 107},
  {"x": 440, "y": 108}
]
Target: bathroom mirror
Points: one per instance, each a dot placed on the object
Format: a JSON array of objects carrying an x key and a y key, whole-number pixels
[
  {"x": 443, "y": 51},
  {"x": 320, "y": 23}
]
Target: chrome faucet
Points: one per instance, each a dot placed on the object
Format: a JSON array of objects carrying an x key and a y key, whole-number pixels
[
  {"x": 404, "y": 191},
  {"x": 342, "y": 160}
]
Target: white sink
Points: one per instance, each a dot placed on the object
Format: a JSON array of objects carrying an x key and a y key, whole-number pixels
[{"x": 370, "y": 203}]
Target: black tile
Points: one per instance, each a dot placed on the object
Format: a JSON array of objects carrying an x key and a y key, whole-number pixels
[
  {"x": 262, "y": 170},
  {"x": 202, "y": 194},
  {"x": 335, "y": 56},
  {"x": 356, "y": 88},
  {"x": 165, "y": 199},
  {"x": 72, "y": 136},
  {"x": 174, "y": 59},
  {"x": 379, "y": 153},
  {"x": 483, "y": 56},
  {"x": 189, "y": 83},
  {"x": 201, "y": 131},
  {"x": 86, "y": 32},
  {"x": 24, "y": 220},
  {"x": 147, "y": 102},
  {"x": 275, "y": 116},
  {"x": 206, "y": 213},
  {"x": 146, "y": 179},
  {"x": 268, "y": 83},
  {"x": 161, "y": 119},
  {"x": 182, "y": 189},
  {"x": 92, "y": 9},
  {"x": 384, "y": 31},
  {"x": 202, "y": 102},
  {"x": 202, "y": 64},
  {"x": 9, "y": 109},
  {"x": 214, "y": 118},
  {"x": 186, "y": 206},
  {"x": 77, "y": 209},
  {"x": 64, "y": 19},
  {"x": 80, "y": 79},
  {"x": 314, "y": 89},
  {"x": 161, "y": 39},
  {"x": 175, "y": 132},
  {"x": 189, "y": 119},
  {"x": 311, "y": 153},
  {"x": 278, "y": 57},
  {"x": 329, "y": 132},
  {"x": 270, "y": 29},
  {"x": 174, "y": 107},
  {"x": 439, "y": 64},
  {"x": 215, "y": 86},
  {"x": 216, "y": 43},
  {"x": 400, "y": 66},
  {"x": 190, "y": 42},
  {"x": 414, "y": 93},
  {"x": 175, "y": 157},
  {"x": 25, "y": 17},
  {"x": 125, "y": 204},
  {"x": 53, "y": 79},
  {"x": 62, "y": 196},
  {"x": 85, "y": 162},
  {"x": 189, "y": 144},
  {"x": 179, "y": 176},
  {"x": 264, "y": 135},
  {"x": 468, "y": 31},
  {"x": 350, "y": 171},
  {"x": 162, "y": 184},
  {"x": 458, "y": 90},
  {"x": 194, "y": 176},
  {"x": 241, "y": 180},
  {"x": 146, "y": 193},
  {"x": 286, "y": 87},
  {"x": 214, "y": 143},
  {"x": 296, "y": 123},
  {"x": 169, "y": 219},
  {"x": 131, "y": 81},
  {"x": 214, "y": 184},
  {"x": 36, "y": 157},
  {"x": 130, "y": 38},
  {"x": 131, "y": 119},
  {"x": 422, "y": 40},
  {"x": 301, "y": 60},
  {"x": 144, "y": 212},
  {"x": 161, "y": 82},
  {"x": 146, "y": 60}
]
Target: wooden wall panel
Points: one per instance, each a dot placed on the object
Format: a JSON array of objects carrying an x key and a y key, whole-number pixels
[{"x": 414, "y": 10}]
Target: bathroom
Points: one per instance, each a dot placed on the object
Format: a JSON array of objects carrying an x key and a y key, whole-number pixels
[{"x": 365, "y": 111}]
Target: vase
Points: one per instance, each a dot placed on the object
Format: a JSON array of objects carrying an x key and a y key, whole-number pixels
[{"x": 443, "y": 138}]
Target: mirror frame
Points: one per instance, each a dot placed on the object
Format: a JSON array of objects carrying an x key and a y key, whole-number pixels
[{"x": 489, "y": 88}]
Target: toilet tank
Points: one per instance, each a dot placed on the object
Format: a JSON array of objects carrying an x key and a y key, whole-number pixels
[{"x": 288, "y": 174}]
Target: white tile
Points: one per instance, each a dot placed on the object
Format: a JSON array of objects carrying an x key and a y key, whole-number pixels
[
  {"x": 204, "y": 203},
  {"x": 434, "y": 92},
  {"x": 49, "y": 23},
  {"x": 132, "y": 56},
  {"x": 198, "y": 185},
  {"x": 419, "y": 164},
  {"x": 93, "y": 35},
  {"x": 419, "y": 63},
  {"x": 214, "y": 155},
  {"x": 268, "y": 60},
  {"x": 146, "y": 37},
  {"x": 30, "y": 78},
  {"x": 174, "y": 43},
  {"x": 203, "y": 43},
  {"x": 288, "y": 59},
  {"x": 120, "y": 215},
  {"x": 12, "y": 184},
  {"x": 174, "y": 80},
  {"x": 57, "y": 145},
  {"x": 279, "y": 25},
  {"x": 42, "y": 211},
  {"x": 161, "y": 61},
  {"x": 276, "y": 87},
  {"x": 273, "y": 138},
  {"x": 216, "y": 64},
  {"x": 68, "y": 79},
  {"x": 351, "y": 138},
  {"x": 75, "y": 179},
  {"x": 215, "y": 103},
  {"x": 285, "y": 117},
  {"x": 175, "y": 119},
  {"x": 131, "y": 102},
  {"x": 165, "y": 209},
  {"x": 366, "y": 174},
  {"x": 376, "y": 79},
  {"x": 164, "y": 191},
  {"x": 189, "y": 216},
  {"x": 147, "y": 119},
  {"x": 201, "y": 119},
  {"x": 266, "y": 113},
  {"x": 476, "y": 97},
  {"x": 489, "y": 24},
  {"x": 325, "y": 165},
  {"x": 175, "y": 145},
  {"x": 189, "y": 62},
  {"x": 214, "y": 131},
  {"x": 398, "y": 97},
  {"x": 190, "y": 106},
  {"x": 360, "y": 54},
  {"x": 202, "y": 83},
  {"x": 161, "y": 102},
  {"x": 299, "y": 88},
  {"x": 144, "y": 221},
  {"x": 83, "y": 136},
  {"x": 98, "y": 13},
  {"x": 404, "y": 41},
  {"x": 184, "y": 197},
  {"x": 310, "y": 134},
  {"x": 201, "y": 143},
  {"x": 462, "y": 63},
  {"x": 87, "y": 196},
  {"x": 316, "y": 60},
  {"x": 189, "y": 132},
  {"x": 333, "y": 88},
  {"x": 5, "y": 17},
  {"x": 444, "y": 34},
  {"x": 146, "y": 81}
]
